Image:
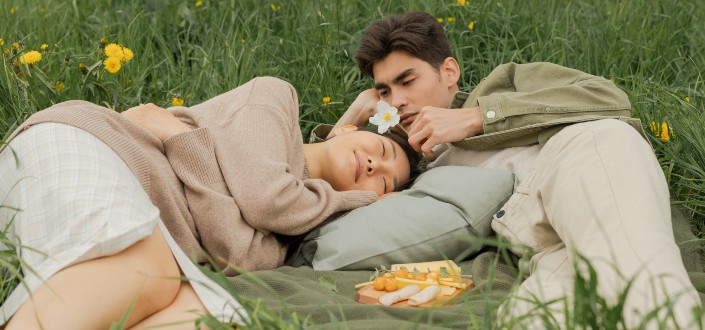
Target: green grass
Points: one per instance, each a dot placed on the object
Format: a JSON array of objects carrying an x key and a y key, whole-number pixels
[{"x": 654, "y": 50}]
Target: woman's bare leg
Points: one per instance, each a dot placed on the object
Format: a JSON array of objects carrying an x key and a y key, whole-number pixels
[
  {"x": 181, "y": 314},
  {"x": 95, "y": 293}
]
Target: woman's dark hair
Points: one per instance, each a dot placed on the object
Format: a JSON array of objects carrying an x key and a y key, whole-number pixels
[
  {"x": 416, "y": 33},
  {"x": 413, "y": 156}
]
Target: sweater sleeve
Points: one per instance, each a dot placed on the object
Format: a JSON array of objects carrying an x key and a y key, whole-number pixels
[
  {"x": 241, "y": 164},
  {"x": 537, "y": 97},
  {"x": 271, "y": 196}
]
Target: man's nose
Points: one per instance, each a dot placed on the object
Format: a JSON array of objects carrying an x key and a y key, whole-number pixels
[{"x": 399, "y": 101}]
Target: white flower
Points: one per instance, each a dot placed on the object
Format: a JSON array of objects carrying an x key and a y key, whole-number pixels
[{"x": 385, "y": 117}]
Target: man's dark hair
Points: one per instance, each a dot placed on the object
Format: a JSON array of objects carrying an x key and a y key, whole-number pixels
[
  {"x": 414, "y": 157},
  {"x": 416, "y": 33}
]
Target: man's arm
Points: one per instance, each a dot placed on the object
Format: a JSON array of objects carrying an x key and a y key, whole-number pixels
[
  {"x": 518, "y": 95},
  {"x": 521, "y": 104},
  {"x": 359, "y": 112}
]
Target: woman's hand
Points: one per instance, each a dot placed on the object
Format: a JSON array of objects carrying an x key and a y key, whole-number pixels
[{"x": 158, "y": 121}]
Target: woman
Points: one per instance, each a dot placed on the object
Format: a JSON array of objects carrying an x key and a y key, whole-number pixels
[{"x": 119, "y": 205}]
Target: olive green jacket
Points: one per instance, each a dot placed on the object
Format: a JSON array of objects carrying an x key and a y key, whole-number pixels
[{"x": 524, "y": 104}]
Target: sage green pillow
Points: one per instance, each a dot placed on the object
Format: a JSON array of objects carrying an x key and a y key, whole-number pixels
[{"x": 439, "y": 217}]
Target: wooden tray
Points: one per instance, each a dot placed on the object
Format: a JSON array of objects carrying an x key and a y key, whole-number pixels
[{"x": 368, "y": 295}]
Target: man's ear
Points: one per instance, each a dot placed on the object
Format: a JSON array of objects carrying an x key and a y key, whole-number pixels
[
  {"x": 345, "y": 129},
  {"x": 450, "y": 71}
]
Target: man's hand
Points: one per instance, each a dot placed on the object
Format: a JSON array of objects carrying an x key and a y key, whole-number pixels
[
  {"x": 360, "y": 111},
  {"x": 434, "y": 126},
  {"x": 158, "y": 121}
]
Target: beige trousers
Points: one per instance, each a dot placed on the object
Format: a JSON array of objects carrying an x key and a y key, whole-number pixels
[{"x": 596, "y": 191}]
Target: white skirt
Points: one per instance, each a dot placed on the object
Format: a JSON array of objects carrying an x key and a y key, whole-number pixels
[{"x": 66, "y": 197}]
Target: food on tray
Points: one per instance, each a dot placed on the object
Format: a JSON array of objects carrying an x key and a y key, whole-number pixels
[
  {"x": 430, "y": 280},
  {"x": 424, "y": 296},
  {"x": 399, "y": 295}
]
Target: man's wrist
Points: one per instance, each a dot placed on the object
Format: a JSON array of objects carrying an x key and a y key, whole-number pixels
[{"x": 475, "y": 122}]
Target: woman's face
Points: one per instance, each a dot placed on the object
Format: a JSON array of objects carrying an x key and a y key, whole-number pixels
[{"x": 361, "y": 160}]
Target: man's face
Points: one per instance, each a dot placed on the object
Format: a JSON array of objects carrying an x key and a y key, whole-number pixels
[{"x": 409, "y": 84}]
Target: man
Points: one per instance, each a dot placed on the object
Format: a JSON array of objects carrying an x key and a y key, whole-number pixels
[{"x": 588, "y": 182}]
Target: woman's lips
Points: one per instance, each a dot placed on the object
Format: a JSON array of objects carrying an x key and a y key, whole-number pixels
[{"x": 358, "y": 166}]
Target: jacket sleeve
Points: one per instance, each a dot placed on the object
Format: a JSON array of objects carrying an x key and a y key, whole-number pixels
[{"x": 535, "y": 98}]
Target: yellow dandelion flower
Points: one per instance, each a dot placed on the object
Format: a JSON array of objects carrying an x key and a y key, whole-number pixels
[
  {"x": 440, "y": 19},
  {"x": 31, "y": 57},
  {"x": 199, "y": 3},
  {"x": 44, "y": 47},
  {"x": 128, "y": 54},
  {"x": 103, "y": 40},
  {"x": 326, "y": 100},
  {"x": 275, "y": 7},
  {"x": 2, "y": 42},
  {"x": 59, "y": 86},
  {"x": 687, "y": 99},
  {"x": 450, "y": 19},
  {"x": 664, "y": 131},
  {"x": 177, "y": 101},
  {"x": 15, "y": 46},
  {"x": 12, "y": 10},
  {"x": 6, "y": 51},
  {"x": 463, "y": 2},
  {"x": 114, "y": 50},
  {"x": 112, "y": 64},
  {"x": 471, "y": 25},
  {"x": 83, "y": 68}
]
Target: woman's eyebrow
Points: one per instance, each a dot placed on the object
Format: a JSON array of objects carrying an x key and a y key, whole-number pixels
[{"x": 394, "y": 150}]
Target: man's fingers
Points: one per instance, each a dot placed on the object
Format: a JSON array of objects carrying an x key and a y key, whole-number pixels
[
  {"x": 427, "y": 148},
  {"x": 416, "y": 125},
  {"x": 417, "y": 139}
]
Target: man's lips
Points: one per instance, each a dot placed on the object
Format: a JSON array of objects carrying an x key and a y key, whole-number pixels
[
  {"x": 358, "y": 166},
  {"x": 407, "y": 118}
]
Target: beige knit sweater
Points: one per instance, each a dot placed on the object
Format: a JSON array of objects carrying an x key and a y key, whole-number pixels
[{"x": 226, "y": 186}]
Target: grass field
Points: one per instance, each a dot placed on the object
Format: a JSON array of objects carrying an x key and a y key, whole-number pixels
[{"x": 192, "y": 50}]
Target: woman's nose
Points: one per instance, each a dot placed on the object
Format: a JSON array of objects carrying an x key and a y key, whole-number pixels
[
  {"x": 371, "y": 166},
  {"x": 375, "y": 166}
]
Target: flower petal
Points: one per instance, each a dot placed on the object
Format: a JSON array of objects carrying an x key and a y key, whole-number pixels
[
  {"x": 394, "y": 121},
  {"x": 376, "y": 120},
  {"x": 381, "y": 129}
]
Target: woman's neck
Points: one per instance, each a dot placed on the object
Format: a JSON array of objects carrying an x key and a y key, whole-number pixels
[{"x": 314, "y": 158}]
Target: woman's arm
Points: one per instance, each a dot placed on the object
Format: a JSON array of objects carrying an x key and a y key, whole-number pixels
[{"x": 239, "y": 166}]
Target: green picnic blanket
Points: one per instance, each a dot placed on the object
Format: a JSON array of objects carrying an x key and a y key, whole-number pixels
[{"x": 327, "y": 298}]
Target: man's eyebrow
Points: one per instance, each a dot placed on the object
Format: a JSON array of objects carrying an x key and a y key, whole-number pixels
[{"x": 396, "y": 80}]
